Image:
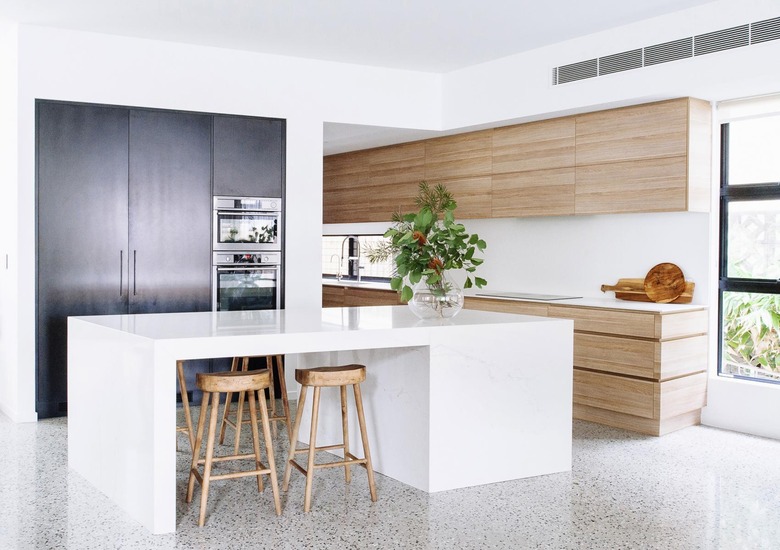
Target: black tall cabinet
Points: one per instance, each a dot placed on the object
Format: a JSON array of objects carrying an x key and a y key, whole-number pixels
[{"x": 123, "y": 223}]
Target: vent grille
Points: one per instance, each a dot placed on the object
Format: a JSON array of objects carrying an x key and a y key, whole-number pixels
[
  {"x": 764, "y": 31},
  {"x": 578, "y": 71},
  {"x": 717, "y": 41},
  {"x": 624, "y": 61},
  {"x": 702, "y": 44},
  {"x": 669, "y": 51}
]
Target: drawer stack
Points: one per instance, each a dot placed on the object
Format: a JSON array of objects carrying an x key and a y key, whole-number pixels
[{"x": 643, "y": 371}]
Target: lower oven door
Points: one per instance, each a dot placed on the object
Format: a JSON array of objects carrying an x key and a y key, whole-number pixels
[{"x": 246, "y": 288}]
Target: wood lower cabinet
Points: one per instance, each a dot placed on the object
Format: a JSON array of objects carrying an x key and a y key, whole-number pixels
[
  {"x": 349, "y": 296},
  {"x": 643, "y": 371}
]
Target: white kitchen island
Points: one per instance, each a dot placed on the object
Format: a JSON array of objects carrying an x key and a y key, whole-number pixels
[{"x": 481, "y": 398}]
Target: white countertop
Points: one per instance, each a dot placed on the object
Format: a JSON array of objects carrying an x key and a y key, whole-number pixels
[
  {"x": 611, "y": 303},
  {"x": 175, "y": 326},
  {"x": 602, "y": 302}
]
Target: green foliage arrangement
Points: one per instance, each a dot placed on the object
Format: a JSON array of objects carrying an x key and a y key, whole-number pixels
[
  {"x": 751, "y": 329},
  {"x": 429, "y": 242}
]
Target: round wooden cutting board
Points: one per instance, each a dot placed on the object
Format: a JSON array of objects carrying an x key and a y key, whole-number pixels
[{"x": 664, "y": 283}]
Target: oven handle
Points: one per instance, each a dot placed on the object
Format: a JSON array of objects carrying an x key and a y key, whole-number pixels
[
  {"x": 238, "y": 211},
  {"x": 249, "y": 268}
]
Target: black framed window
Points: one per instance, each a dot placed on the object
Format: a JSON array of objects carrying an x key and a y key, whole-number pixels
[{"x": 749, "y": 282}]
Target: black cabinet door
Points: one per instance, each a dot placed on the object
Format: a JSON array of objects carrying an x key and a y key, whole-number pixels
[
  {"x": 248, "y": 156},
  {"x": 170, "y": 212},
  {"x": 82, "y": 256}
]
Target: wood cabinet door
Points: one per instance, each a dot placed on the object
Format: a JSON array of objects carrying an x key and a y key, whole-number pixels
[
  {"x": 344, "y": 184},
  {"x": 649, "y": 185},
  {"x": 170, "y": 212},
  {"x": 543, "y": 145},
  {"x": 81, "y": 231},
  {"x": 248, "y": 156},
  {"x": 646, "y": 131}
]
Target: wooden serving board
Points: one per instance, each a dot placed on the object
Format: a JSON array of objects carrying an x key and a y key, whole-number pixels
[{"x": 634, "y": 290}]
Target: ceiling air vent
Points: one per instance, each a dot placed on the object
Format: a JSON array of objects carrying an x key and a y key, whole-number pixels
[
  {"x": 577, "y": 71},
  {"x": 624, "y": 61},
  {"x": 764, "y": 31},
  {"x": 674, "y": 50},
  {"x": 717, "y": 41},
  {"x": 669, "y": 51}
]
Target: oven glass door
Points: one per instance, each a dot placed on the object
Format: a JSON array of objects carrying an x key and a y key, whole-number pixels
[
  {"x": 246, "y": 288},
  {"x": 246, "y": 230}
]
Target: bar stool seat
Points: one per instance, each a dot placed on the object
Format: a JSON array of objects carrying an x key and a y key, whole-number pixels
[
  {"x": 212, "y": 385},
  {"x": 341, "y": 377}
]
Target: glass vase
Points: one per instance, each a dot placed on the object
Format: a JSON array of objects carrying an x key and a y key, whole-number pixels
[{"x": 441, "y": 300}]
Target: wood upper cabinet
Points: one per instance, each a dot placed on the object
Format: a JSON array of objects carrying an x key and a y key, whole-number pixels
[
  {"x": 463, "y": 163},
  {"x": 645, "y": 158},
  {"x": 533, "y": 169},
  {"x": 369, "y": 185}
]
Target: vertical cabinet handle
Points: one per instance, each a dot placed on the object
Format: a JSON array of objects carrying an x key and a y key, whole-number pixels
[
  {"x": 121, "y": 271},
  {"x": 134, "y": 275}
]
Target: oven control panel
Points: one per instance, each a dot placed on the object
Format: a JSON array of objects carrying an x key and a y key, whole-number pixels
[{"x": 248, "y": 258}]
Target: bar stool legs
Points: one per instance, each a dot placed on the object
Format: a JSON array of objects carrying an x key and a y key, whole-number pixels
[
  {"x": 212, "y": 385},
  {"x": 271, "y": 361},
  {"x": 186, "y": 402},
  {"x": 319, "y": 378}
]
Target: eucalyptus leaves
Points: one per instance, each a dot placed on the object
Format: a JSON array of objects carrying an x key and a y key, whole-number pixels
[{"x": 428, "y": 243}]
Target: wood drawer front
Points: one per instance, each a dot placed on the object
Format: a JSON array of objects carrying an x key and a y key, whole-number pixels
[
  {"x": 371, "y": 297},
  {"x": 535, "y": 193},
  {"x": 681, "y": 357},
  {"x": 609, "y": 321},
  {"x": 681, "y": 395},
  {"x": 332, "y": 296},
  {"x": 616, "y": 354},
  {"x": 676, "y": 325},
  {"x": 614, "y": 393},
  {"x": 507, "y": 306}
]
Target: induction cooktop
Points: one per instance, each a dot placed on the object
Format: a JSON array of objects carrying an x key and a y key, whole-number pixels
[{"x": 526, "y": 296}]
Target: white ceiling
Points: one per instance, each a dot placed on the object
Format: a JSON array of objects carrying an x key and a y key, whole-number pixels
[{"x": 424, "y": 35}]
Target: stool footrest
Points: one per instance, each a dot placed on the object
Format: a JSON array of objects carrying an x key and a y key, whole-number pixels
[
  {"x": 231, "y": 457},
  {"x": 234, "y": 475},
  {"x": 325, "y": 448}
]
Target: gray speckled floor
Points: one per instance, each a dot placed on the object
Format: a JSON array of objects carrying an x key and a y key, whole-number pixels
[{"x": 696, "y": 488}]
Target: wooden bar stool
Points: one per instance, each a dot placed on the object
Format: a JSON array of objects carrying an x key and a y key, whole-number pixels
[
  {"x": 318, "y": 378},
  {"x": 284, "y": 415},
  {"x": 212, "y": 385},
  {"x": 186, "y": 402}
]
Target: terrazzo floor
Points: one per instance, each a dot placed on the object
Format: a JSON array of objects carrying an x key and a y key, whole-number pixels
[{"x": 696, "y": 488}]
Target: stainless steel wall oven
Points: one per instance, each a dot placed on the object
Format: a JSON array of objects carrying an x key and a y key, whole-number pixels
[
  {"x": 246, "y": 281},
  {"x": 245, "y": 224}
]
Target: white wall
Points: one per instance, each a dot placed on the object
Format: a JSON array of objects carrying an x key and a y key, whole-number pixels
[
  {"x": 519, "y": 87},
  {"x": 86, "y": 67},
  {"x": 10, "y": 394}
]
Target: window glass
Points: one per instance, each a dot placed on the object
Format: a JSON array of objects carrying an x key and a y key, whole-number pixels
[
  {"x": 753, "y": 151},
  {"x": 754, "y": 239},
  {"x": 751, "y": 341},
  {"x": 337, "y": 251}
]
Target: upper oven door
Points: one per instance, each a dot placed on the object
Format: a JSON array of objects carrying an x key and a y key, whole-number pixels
[{"x": 247, "y": 230}]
